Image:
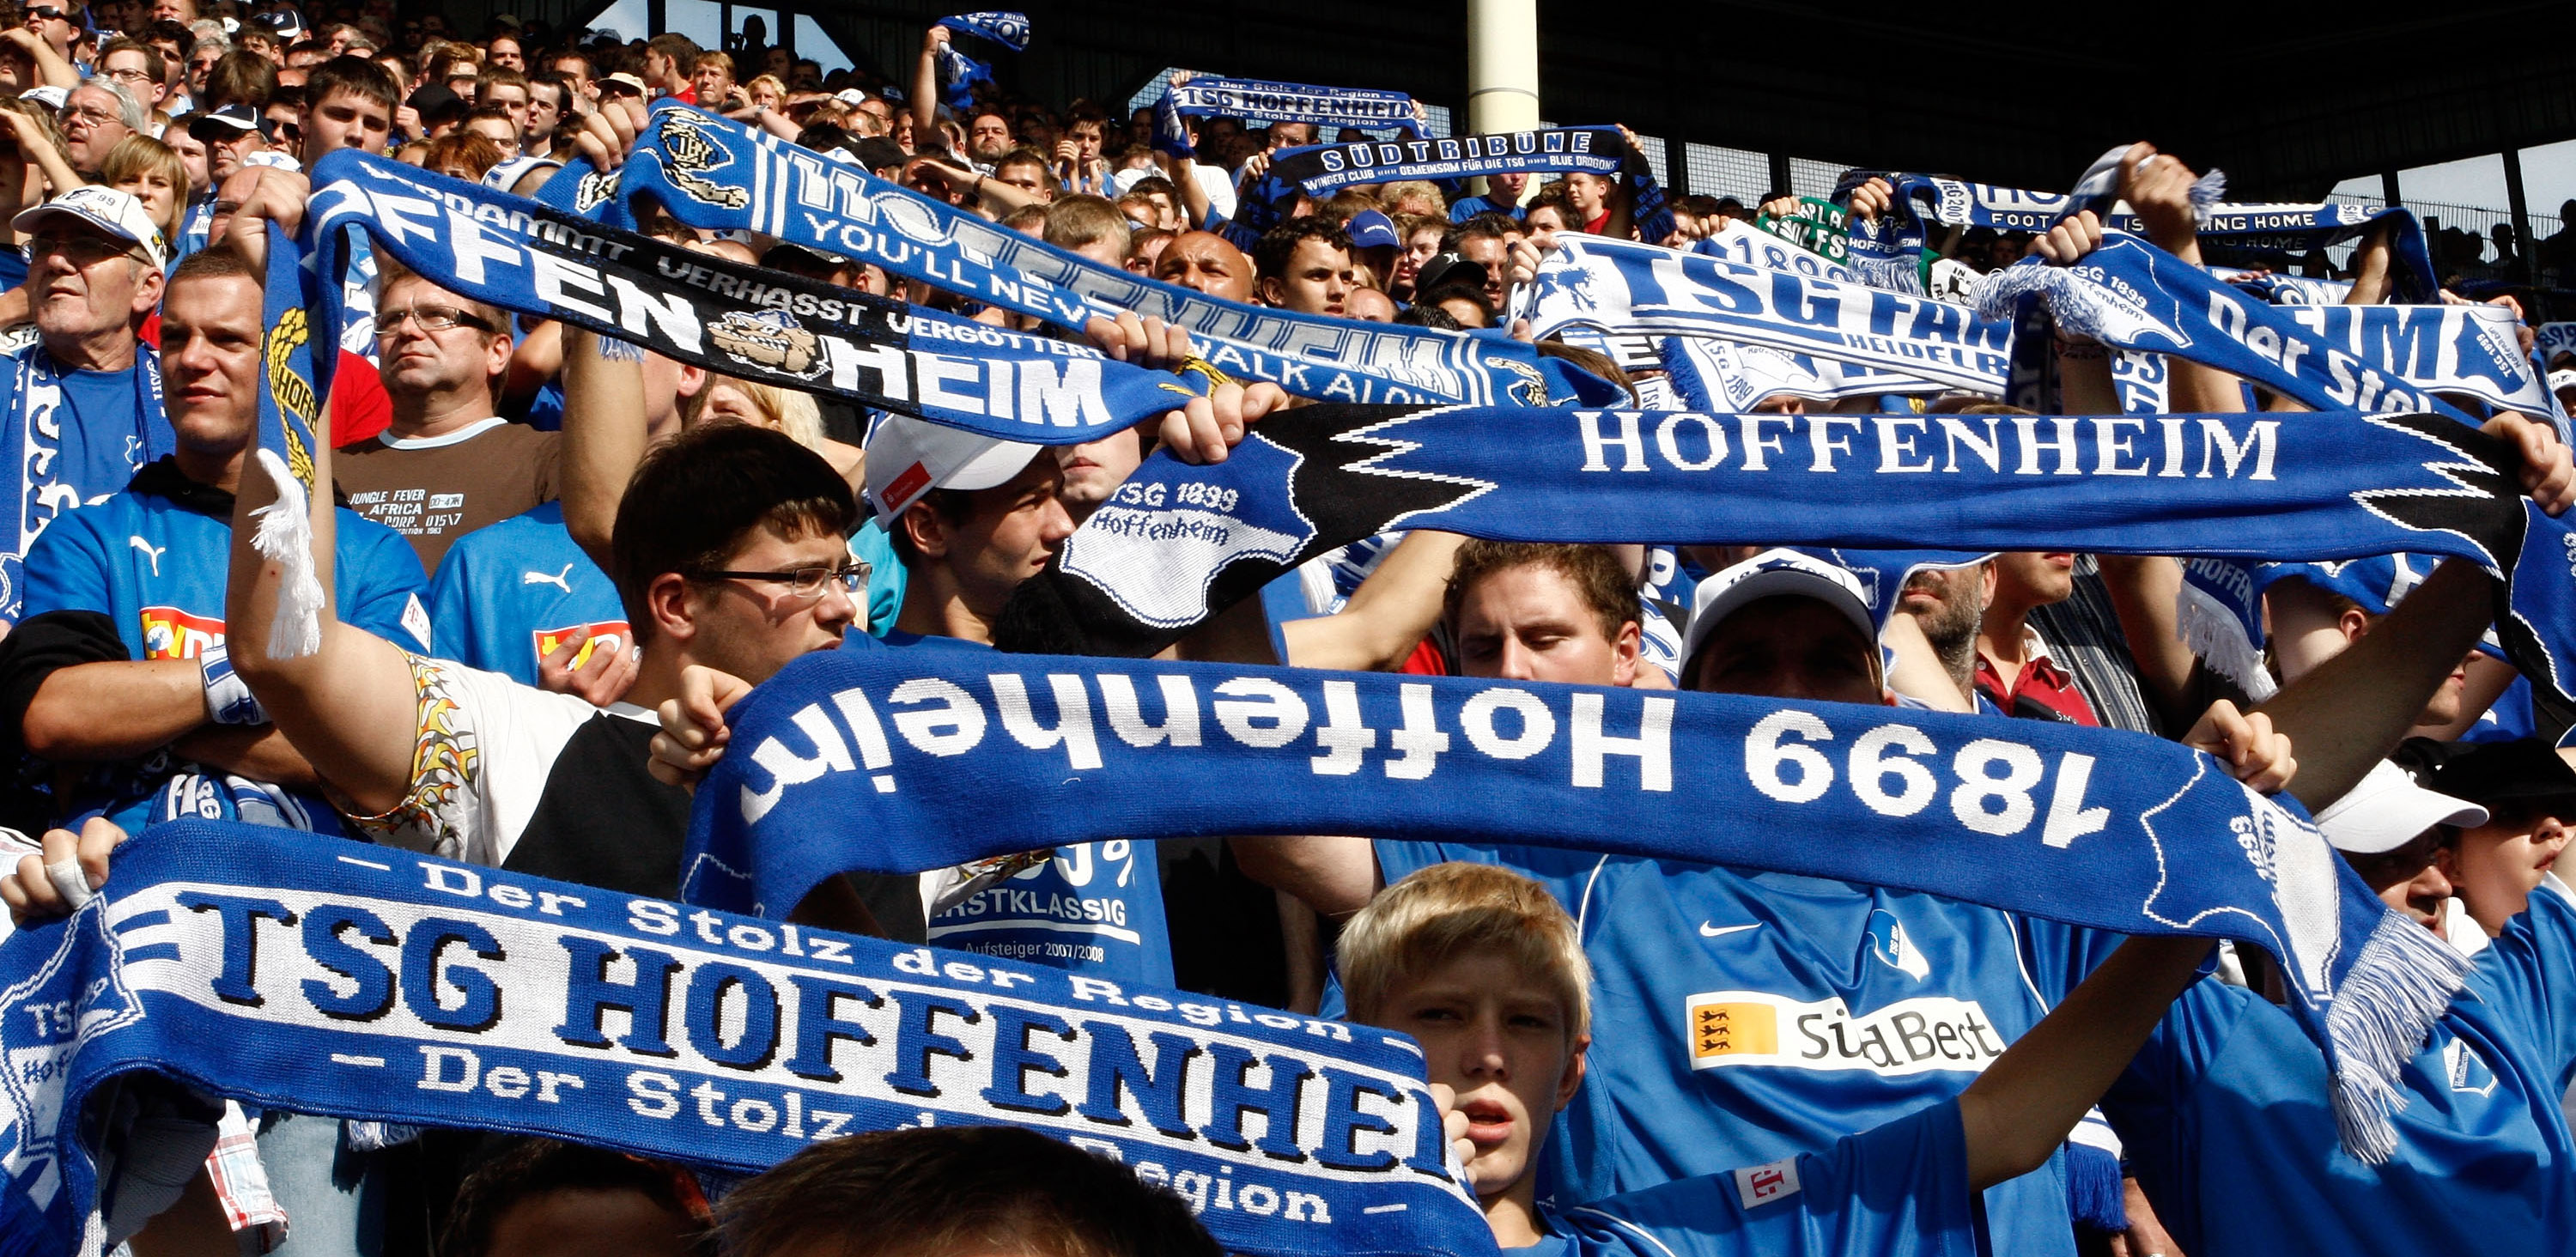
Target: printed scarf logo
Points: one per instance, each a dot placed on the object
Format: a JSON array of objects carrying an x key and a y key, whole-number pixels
[
  {"x": 692, "y": 156},
  {"x": 387, "y": 986}
]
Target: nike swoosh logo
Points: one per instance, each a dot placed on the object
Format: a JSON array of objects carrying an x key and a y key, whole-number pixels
[{"x": 1711, "y": 931}]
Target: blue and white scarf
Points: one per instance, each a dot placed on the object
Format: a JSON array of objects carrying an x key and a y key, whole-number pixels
[
  {"x": 1896, "y": 240},
  {"x": 959, "y": 73},
  {"x": 2335, "y": 356},
  {"x": 325, "y": 977},
  {"x": 1262, "y": 101},
  {"x": 864, "y": 759},
  {"x": 2470, "y": 351},
  {"x": 740, "y": 320},
  {"x": 1323, "y": 169},
  {"x": 2130, "y": 295},
  {"x": 1719, "y": 376},
  {"x": 52, "y": 474},
  {"x": 1636, "y": 288},
  {"x": 1178, "y": 543},
  {"x": 2285, "y": 290},
  {"x": 716, "y": 174}
]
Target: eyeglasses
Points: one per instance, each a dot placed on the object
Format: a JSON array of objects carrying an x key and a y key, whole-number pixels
[
  {"x": 131, "y": 76},
  {"x": 430, "y": 318},
  {"x": 806, "y": 582},
  {"x": 92, "y": 115},
  {"x": 35, "y": 13},
  {"x": 83, "y": 251}
]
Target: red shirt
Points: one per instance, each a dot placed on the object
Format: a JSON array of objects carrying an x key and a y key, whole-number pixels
[{"x": 2043, "y": 691}]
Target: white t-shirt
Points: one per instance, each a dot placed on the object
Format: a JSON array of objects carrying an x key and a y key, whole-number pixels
[{"x": 485, "y": 747}]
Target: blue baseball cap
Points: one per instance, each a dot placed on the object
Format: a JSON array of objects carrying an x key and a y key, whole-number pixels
[{"x": 1372, "y": 230}]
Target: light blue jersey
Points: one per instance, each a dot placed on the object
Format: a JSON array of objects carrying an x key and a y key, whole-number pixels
[
  {"x": 1767, "y": 1015},
  {"x": 1898, "y": 1190},
  {"x": 2227, "y": 1125},
  {"x": 156, "y": 566},
  {"x": 1093, "y": 908},
  {"x": 506, "y": 595}
]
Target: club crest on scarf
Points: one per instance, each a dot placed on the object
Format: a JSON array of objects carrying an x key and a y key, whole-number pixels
[
  {"x": 689, "y": 155},
  {"x": 292, "y": 393},
  {"x": 768, "y": 338}
]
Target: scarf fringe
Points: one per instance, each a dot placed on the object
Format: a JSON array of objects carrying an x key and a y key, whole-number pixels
[
  {"x": 2094, "y": 1193},
  {"x": 285, "y": 537},
  {"x": 2213, "y": 632},
  {"x": 2403, "y": 981}
]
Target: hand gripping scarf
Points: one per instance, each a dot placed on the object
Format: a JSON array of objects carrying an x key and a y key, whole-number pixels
[
  {"x": 959, "y": 73},
  {"x": 900, "y": 761},
  {"x": 334, "y": 978},
  {"x": 739, "y": 320},
  {"x": 1263, "y": 102},
  {"x": 1896, "y": 241},
  {"x": 1320, "y": 170},
  {"x": 713, "y": 173}
]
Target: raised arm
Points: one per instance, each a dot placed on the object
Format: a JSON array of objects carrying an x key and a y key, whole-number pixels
[
  {"x": 925, "y": 82},
  {"x": 1386, "y": 616},
  {"x": 349, "y": 706},
  {"x": 2022, "y": 1108},
  {"x": 603, "y": 435}
]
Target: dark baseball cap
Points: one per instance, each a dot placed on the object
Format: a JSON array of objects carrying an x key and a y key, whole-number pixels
[
  {"x": 1448, "y": 268},
  {"x": 2500, "y": 772}
]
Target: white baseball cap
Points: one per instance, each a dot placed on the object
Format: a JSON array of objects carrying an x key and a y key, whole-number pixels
[
  {"x": 1776, "y": 573},
  {"x": 909, "y": 457},
  {"x": 2388, "y": 810},
  {"x": 111, "y": 211}
]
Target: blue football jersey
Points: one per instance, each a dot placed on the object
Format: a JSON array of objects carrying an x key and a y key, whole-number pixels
[
  {"x": 2227, "y": 1124},
  {"x": 1896, "y": 1190},
  {"x": 508, "y": 594},
  {"x": 157, "y": 569},
  {"x": 1093, "y": 908},
  {"x": 1766, "y": 1015}
]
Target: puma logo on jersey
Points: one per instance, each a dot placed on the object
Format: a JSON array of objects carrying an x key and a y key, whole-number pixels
[
  {"x": 150, "y": 551},
  {"x": 561, "y": 580}
]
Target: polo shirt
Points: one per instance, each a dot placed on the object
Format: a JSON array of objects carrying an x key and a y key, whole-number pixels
[{"x": 2043, "y": 691}]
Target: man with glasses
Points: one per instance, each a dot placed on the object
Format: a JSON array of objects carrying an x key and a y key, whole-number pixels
[
  {"x": 97, "y": 115},
  {"x": 83, "y": 410},
  {"x": 448, "y": 463},
  {"x": 138, "y": 68}
]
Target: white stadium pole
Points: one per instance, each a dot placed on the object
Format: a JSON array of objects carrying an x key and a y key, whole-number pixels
[{"x": 1502, "y": 67}]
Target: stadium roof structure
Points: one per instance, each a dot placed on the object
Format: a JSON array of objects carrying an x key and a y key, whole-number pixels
[{"x": 2287, "y": 100}]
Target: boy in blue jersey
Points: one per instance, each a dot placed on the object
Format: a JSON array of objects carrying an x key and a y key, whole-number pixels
[
  {"x": 1482, "y": 967},
  {"x": 970, "y": 518},
  {"x": 122, "y": 667},
  {"x": 1851, "y": 979}
]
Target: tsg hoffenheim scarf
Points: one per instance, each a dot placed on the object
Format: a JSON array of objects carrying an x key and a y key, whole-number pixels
[
  {"x": 322, "y": 976},
  {"x": 714, "y": 173},
  {"x": 1179, "y": 542},
  {"x": 739, "y": 320},
  {"x": 901, "y": 761}
]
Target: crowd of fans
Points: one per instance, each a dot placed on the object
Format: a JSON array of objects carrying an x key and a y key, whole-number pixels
[{"x": 584, "y": 559}]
